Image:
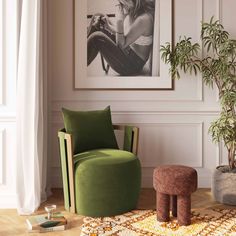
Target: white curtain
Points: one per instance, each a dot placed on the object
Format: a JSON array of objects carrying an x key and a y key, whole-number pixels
[{"x": 31, "y": 164}]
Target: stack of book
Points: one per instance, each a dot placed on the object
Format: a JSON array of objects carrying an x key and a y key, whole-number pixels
[{"x": 41, "y": 223}]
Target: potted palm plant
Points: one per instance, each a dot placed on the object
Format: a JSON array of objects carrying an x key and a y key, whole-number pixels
[{"x": 218, "y": 68}]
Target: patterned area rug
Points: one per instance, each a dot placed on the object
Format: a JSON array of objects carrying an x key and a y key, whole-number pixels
[{"x": 206, "y": 222}]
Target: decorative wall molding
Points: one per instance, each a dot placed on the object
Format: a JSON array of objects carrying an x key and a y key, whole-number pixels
[
  {"x": 219, "y": 6},
  {"x": 221, "y": 150},
  {"x": 196, "y": 145},
  {"x": 2, "y": 50},
  {"x": 219, "y": 16},
  {"x": 125, "y": 99},
  {"x": 175, "y": 151},
  {"x": 221, "y": 154},
  {"x": 218, "y": 155},
  {"x": 57, "y": 104},
  {"x": 6, "y": 118},
  {"x": 2, "y": 155},
  {"x": 149, "y": 117},
  {"x": 138, "y": 108},
  {"x": 8, "y": 72},
  {"x": 200, "y": 10}
]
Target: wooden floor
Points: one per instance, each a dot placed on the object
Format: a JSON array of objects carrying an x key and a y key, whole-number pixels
[{"x": 14, "y": 225}]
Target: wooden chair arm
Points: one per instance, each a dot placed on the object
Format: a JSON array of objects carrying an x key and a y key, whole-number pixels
[
  {"x": 67, "y": 163},
  {"x": 131, "y": 137}
]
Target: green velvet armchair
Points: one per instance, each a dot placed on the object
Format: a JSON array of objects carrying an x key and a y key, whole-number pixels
[{"x": 101, "y": 182}]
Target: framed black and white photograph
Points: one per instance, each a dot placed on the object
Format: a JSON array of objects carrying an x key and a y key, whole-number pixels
[{"x": 117, "y": 44}]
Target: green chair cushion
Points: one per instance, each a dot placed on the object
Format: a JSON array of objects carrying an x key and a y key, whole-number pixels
[
  {"x": 107, "y": 182},
  {"x": 90, "y": 129}
]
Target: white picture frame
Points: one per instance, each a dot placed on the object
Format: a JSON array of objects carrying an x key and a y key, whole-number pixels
[{"x": 160, "y": 79}]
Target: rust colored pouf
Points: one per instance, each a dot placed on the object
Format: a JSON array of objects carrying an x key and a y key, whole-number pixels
[{"x": 174, "y": 185}]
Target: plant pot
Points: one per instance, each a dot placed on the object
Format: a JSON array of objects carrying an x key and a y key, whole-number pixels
[{"x": 224, "y": 185}]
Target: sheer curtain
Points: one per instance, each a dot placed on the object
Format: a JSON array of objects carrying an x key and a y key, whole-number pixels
[{"x": 31, "y": 166}]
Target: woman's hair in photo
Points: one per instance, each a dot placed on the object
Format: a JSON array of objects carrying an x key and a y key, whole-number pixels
[{"x": 142, "y": 6}]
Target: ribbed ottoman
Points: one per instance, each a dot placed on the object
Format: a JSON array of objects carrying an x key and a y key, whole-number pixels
[{"x": 174, "y": 185}]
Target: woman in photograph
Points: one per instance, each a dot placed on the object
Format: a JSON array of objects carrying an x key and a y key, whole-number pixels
[{"x": 126, "y": 43}]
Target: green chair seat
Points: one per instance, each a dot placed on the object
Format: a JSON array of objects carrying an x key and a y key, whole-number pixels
[{"x": 107, "y": 182}]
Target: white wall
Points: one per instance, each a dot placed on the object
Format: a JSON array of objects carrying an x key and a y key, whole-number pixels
[
  {"x": 173, "y": 124},
  {"x": 8, "y": 49}
]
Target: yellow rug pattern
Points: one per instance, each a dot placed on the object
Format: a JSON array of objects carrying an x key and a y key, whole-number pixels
[{"x": 206, "y": 222}]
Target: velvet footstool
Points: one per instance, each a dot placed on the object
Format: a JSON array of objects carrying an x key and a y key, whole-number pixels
[{"x": 174, "y": 185}]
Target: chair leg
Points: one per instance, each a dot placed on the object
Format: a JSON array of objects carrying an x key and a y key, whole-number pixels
[
  {"x": 163, "y": 207},
  {"x": 184, "y": 209},
  {"x": 174, "y": 205}
]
